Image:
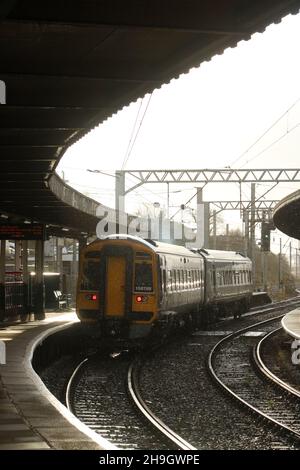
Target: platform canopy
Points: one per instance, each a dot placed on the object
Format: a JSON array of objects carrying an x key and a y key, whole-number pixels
[
  {"x": 69, "y": 65},
  {"x": 287, "y": 215}
]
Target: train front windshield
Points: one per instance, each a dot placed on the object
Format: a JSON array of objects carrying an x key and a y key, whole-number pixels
[
  {"x": 90, "y": 279},
  {"x": 143, "y": 277}
]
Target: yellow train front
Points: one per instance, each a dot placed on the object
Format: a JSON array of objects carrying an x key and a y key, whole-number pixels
[
  {"x": 128, "y": 285},
  {"x": 117, "y": 287}
]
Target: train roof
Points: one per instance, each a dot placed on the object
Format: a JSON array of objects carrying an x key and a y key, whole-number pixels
[
  {"x": 168, "y": 248},
  {"x": 157, "y": 246},
  {"x": 222, "y": 255}
]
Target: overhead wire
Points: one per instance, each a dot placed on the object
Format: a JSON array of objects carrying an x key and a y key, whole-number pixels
[
  {"x": 266, "y": 131},
  {"x": 271, "y": 145},
  {"x": 130, "y": 146},
  {"x": 132, "y": 134}
]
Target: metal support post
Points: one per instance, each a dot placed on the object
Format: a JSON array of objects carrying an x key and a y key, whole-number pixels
[
  {"x": 17, "y": 255},
  {"x": 74, "y": 270},
  {"x": 279, "y": 264},
  {"x": 39, "y": 297},
  {"x": 25, "y": 273},
  {"x": 246, "y": 238},
  {"x": 2, "y": 280},
  {"x": 202, "y": 220},
  {"x": 252, "y": 233},
  {"x": 214, "y": 229},
  {"x": 59, "y": 263},
  {"x": 227, "y": 237},
  {"x": 168, "y": 200},
  {"x": 121, "y": 224},
  {"x": 206, "y": 224}
]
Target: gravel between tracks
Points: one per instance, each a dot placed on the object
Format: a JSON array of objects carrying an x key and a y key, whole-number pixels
[
  {"x": 276, "y": 353},
  {"x": 178, "y": 389}
]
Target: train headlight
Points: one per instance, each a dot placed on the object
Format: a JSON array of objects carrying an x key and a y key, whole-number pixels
[{"x": 141, "y": 299}]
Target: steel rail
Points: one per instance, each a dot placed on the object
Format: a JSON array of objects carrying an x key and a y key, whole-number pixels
[
  {"x": 159, "y": 425},
  {"x": 264, "y": 369},
  {"x": 70, "y": 385},
  {"x": 230, "y": 392}
]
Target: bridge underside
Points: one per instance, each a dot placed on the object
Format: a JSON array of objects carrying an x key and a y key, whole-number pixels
[
  {"x": 68, "y": 66},
  {"x": 287, "y": 215}
]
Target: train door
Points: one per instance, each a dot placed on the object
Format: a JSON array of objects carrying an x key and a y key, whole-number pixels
[
  {"x": 115, "y": 286},
  {"x": 115, "y": 291}
]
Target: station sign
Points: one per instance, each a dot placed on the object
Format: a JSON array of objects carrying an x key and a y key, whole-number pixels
[{"x": 22, "y": 232}]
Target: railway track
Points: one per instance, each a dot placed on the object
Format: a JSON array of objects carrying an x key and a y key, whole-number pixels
[
  {"x": 266, "y": 371},
  {"x": 97, "y": 395},
  {"x": 134, "y": 390},
  {"x": 104, "y": 395},
  {"x": 242, "y": 376}
]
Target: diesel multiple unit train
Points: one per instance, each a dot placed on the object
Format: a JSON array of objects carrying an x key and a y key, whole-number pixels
[{"x": 128, "y": 286}]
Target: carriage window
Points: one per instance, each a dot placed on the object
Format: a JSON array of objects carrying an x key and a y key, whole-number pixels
[
  {"x": 185, "y": 279},
  {"x": 165, "y": 280},
  {"x": 143, "y": 277},
  {"x": 174, "y": 280},
  {"x": 90, "y": 279},
  {"x": 192, "y": 279},
  {"x": 169, "y": 279},
  {"x": 178, "y": 279}
]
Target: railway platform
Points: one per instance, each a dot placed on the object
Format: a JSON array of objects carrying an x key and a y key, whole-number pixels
[
  {"x": 30, "y": 416},
  {"x": 291, "y": 323}
]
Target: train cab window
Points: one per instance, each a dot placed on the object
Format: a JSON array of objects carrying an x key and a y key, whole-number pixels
[
  {"x": 90, "y": 279},
  {"x": 143, "y": 277}
]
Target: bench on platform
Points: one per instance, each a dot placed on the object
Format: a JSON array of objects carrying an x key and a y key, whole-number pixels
[{"x": 62, "y": 299}]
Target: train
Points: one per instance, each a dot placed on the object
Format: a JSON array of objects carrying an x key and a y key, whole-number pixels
[{"x": 129, "y": 287}]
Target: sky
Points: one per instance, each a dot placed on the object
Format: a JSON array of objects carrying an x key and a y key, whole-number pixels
[{"x": 207, "y": 118}]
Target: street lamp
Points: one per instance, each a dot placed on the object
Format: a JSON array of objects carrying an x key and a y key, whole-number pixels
[{"x": 101, "y": 172}]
